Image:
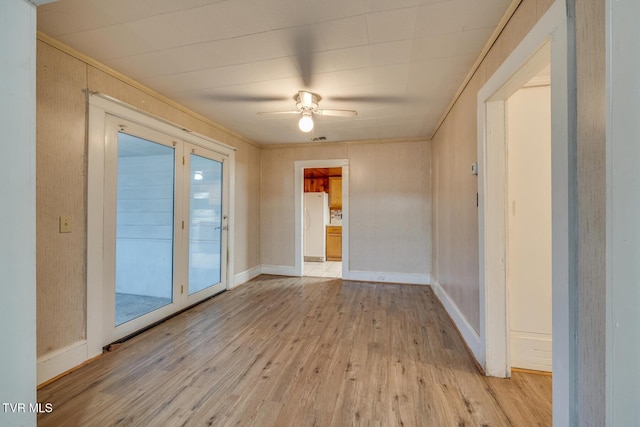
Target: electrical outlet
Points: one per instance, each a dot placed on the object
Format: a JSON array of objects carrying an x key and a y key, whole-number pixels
[{"x": 64, "y": 224}]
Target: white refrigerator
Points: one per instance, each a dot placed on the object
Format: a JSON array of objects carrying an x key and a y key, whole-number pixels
[{"x": 316, "y": 218}]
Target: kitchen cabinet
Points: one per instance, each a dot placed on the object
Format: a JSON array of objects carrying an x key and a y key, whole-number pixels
[
  {"x": 316, "y": 185},
  {"x": 334, "y": 243},
  {"x": 335, "y": 192}
]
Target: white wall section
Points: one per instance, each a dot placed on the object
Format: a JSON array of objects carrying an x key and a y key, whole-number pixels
[
  {"x": 529, "y": 227},
  {"x": 623, "y": 214},
  {"x": 18, "y": 213}
]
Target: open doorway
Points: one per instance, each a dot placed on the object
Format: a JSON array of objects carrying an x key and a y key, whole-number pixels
[
  {"x": 322, "y": 231},
  {"x": 329, "y": 179},
  {"x": 516, "y": 208},
  {"x": 547, "y": 42},
  {"x": 528, "y": 221}
]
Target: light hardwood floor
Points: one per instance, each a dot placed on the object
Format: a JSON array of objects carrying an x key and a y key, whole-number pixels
[{"x": 281, "y": 351}]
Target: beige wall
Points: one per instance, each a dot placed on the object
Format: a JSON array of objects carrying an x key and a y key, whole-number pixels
[
  {"x": 60, "y": 190},
  {"x": 61, "y": 157},
  {"x": 389, "y": 204},
  {"x": 455, "y": 243}
]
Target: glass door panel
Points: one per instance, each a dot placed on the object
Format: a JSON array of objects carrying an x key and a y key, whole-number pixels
[
  {"x": 144, "y": 227},
  {"x": 205, "y": 223}
]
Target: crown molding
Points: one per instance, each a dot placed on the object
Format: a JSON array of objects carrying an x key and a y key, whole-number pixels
[
  {"x": 131, "y": 82},
  {"x": 342, "y": 143},
  {"x": 485, "y": 50}
]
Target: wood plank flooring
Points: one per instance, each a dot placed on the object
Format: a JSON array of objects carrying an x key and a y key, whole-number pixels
[{"x": 282, "y": 351}]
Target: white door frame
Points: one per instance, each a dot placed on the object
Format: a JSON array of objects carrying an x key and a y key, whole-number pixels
[
  {"x": 191, "y": 149},
  {"x": 493, "y": 355},
  {"x": 299, "y": 167},
  {"x": 493, "y": 207}
]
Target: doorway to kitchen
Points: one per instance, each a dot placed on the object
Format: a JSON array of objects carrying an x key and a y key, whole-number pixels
[
  {"x": 322, "y": 232},
  {"x": 322, "y": 226}
]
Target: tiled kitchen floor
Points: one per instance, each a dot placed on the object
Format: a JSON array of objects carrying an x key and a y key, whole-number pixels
[{"x": 323, "y": 269}]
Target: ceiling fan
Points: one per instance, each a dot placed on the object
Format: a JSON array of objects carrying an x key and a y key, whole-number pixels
[
  {"x": 307, "y": 106},
  {"x": 306, "y": 101}
]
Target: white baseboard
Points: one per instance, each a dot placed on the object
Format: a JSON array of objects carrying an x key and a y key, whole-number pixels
[
  {"x": 279, "y": 270},
  {"x": 376, "y": 276},
  {"x": 60, "y": 361},
  {"x": 245, "y": 276},
  {"x": 363, "y": 276},
  {"x": 470, "y": 336},
  {"x": 530, "y": 350}
]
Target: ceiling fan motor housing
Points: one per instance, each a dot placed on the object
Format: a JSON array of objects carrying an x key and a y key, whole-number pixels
[{"x": 306, "y": 101}]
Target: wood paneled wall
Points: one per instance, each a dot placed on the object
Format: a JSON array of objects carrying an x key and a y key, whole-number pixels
[
  {"x": 317, "y": 179},
  {"x": 316, "y": 185},
  {"x": 61, "y": 186}
]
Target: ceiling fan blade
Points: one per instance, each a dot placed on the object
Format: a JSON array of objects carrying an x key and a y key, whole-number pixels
[
  {"x": 245, "y": 98},
  {"x": 336, "y": 113},
  {"x": 304, "y": 47},
  {"x": 274, "y": 113},
  {"x": 371, "y": 98}
]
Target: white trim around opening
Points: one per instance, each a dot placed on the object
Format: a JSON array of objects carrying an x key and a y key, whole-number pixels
[
  {"x": 299, "y": 167},
  {"x": 493, "y": 354}
]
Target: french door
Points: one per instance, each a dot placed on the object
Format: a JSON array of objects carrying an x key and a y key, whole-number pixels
[
  {"x": 207, "y": 221},
  {"x": 165, "y": 226}
]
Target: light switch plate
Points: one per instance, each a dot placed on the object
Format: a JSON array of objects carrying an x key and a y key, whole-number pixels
[{"x": 65, "y": 224}]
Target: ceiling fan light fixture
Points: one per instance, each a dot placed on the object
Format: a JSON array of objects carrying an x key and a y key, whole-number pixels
[
  {"x": 306, "y": 122},
  {"x": 306, "y": 98}
]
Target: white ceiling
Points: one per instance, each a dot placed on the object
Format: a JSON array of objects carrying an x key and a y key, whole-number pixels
[{"x": 397, "y": 62}]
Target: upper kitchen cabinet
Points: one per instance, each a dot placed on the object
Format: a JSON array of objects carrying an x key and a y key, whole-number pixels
[{"x": 335, "y": 192}]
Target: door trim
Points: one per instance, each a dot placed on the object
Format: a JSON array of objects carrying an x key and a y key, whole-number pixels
[
  {"x": 492, "y": 208},
  {"x": 190, "y": 299}
]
